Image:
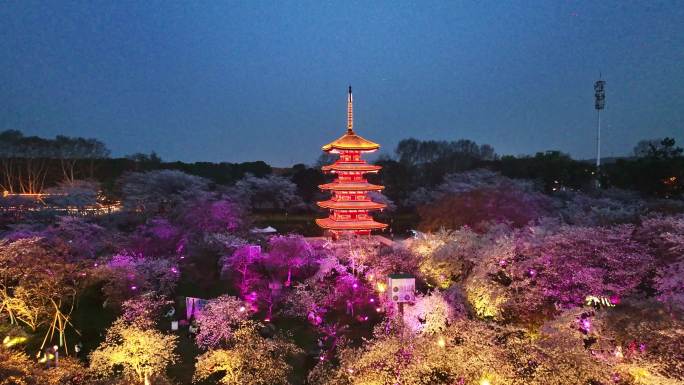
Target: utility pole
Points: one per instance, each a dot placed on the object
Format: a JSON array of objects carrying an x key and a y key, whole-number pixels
[{"x": 599, "y": 104}]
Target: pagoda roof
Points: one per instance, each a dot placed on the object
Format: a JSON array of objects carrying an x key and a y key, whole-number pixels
[
  {"x": 351, "y": 141},
  {"x": 351, "y": 205},
  {"x": 351, "y": 186},
  {"x": 330, "y": 224},
  {"x": 346, "y": 166}
]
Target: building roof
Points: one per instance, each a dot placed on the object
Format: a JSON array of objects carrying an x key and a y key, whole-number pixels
[
  {"x": 330, "y": 224},
  {"x": 351, "y": 205},
  {"x": 351, "y": 186},
  {"x": 348, "y": 166},
  {"x": 350, "y": 141}
]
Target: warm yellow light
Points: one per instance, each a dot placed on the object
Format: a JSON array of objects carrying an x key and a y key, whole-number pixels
[
  {"x": 485, "y": 381},
  {"x": 382, "y": 287},
  {"x": 11, "y": 341},
  {"x": 441, "y": 342}
]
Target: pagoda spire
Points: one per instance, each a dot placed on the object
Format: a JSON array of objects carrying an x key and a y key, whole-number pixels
[{"x": 350, "y": 113}]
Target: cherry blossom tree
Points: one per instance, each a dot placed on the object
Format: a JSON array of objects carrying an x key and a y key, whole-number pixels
[
  {"x": 145, "y": 310},
  {"x": 140, "y": 354},
  {"x": 464, "y": 353},
  {"x": 128, "y": 274},
  {"x": 430, "y": 314},
  {"x": 206, "y": 214},
  {"x": 159, "y": 238},
  {"x": 565, "y": 267},
  {"x": 249, "y": 359},
  {"x": 160, "y": 191},
  {"x": 219, "y": 319},
  {"x": 34, "y": 292},
  {"x": 483, "y": 207},
  {"x": 270, "y": 192},
  {"x": 447, "y": 256},
  {"x": 240, "y": 265},
  {"x": 290, "y": 252}
]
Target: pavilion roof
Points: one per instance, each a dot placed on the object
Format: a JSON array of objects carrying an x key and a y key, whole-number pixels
[
  {"x": 330, "y": 224},
  {"x": 351, "y": 141}
]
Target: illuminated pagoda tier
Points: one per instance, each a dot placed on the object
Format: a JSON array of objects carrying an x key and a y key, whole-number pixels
[{"x": 350, "y": 205}]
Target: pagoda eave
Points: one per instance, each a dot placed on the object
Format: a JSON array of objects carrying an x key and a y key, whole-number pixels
[
  {"x": 351, "y": 205},
  {"x": 330, "y": 224},
  {"x": 336, "y": 186},
  {"x": 361, "y": 167}
]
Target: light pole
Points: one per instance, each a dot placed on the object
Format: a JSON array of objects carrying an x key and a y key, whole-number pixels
[{"x": 599, "y": 104}]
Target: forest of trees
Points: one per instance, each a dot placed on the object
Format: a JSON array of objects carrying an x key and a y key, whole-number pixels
[{"x": 32, "y": 164}]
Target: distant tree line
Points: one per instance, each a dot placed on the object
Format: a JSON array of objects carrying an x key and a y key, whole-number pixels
[
  {"x": 30, "y": 164},
  {"x": 655, "y": 169}
]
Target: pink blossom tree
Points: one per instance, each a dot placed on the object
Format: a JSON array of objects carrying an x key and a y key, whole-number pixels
[
  {"x": 219, "y": 319},
  {"x": 126, "y": 275},
  {"x": 290, "y": 252},
  {"x": 145, "y": 310}
]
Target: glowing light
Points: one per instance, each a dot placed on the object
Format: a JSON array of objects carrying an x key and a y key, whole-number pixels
[
  {"x": 377, "y": 309},
  {"x": 585, "y": 324},
  {"x": 267, "y": 319},
  {"x": 485, "y": 381},
  {"x": 382, "y": 287},
  {"x": 242, "y": 309},
  {"x": 372, "y": 300},
  {"x": 441, "y": 342},
  {"x": 350, "y": 185},
  {"x": 11, "y": 341},
  {"x": 134, "y": 287},
  {"x": 592, "y": 300}
]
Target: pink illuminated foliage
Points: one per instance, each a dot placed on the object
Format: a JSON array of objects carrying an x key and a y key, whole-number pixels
[
  {"x": 219, "y": 319},
  {"x": 240, "y": 267},
  {"x": 161, "y": 191},
  {"x": 146, "y": 310},
  {"x": 211, "y": 215},
  {"x": 289, "y": 253},
  {"x": 126, "y": 275},
  {"x": 565, "y": 267},
  {"x": 159, "y": 238},
  {"x": 481, "y": 207},
  {"x": 271, "y": 192}
]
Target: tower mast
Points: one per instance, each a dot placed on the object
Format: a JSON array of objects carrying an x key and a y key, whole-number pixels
[
  {"x": 599, "y": 104},
  {"x": 350, "y": 112}
]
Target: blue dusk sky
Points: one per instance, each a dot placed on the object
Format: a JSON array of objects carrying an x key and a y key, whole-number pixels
[{"x": 250, "y": 80}]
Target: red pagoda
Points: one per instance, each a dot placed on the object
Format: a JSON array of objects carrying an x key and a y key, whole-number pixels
[{"x": 349, "y": 205}]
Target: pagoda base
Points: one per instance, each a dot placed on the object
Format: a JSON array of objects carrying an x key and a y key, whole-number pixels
[
  {"x": 337, "y": 235},
  {"x": 338, "y": 229}
]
